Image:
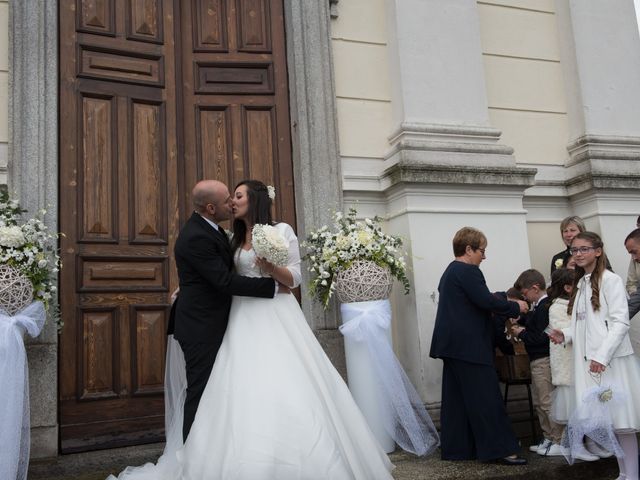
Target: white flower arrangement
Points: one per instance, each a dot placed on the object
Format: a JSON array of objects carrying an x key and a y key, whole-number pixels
[
  {"x": 330, "y": 252},
  {"x": 268, "y": 243},
  {"x": 271, "y": 192},
  {"x": 29, "y": 248}
]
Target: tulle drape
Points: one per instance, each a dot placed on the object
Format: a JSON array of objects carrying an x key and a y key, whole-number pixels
[
  {"x": 14, "y": 383},
  {"x": 167, "y": 467},
  {"x": 403, "y": 413},
  {"x": 592, "y": 418}
]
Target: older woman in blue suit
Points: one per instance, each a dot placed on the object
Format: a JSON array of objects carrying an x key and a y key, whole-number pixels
[{"x": 474, "y": 422}]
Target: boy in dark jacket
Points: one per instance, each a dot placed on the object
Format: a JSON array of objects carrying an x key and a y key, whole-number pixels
[{"x": 531, "y": 284}]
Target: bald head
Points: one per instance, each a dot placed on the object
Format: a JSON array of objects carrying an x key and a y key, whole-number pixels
[{"x": 211, "y": 199}]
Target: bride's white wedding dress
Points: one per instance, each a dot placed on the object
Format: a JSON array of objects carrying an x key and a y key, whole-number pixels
[{"x": 275, "y": 408}]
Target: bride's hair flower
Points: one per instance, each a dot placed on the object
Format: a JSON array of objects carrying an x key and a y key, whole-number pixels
[
  {"x": 271, "y": 192},
  {"x": 269, "y": 244}
]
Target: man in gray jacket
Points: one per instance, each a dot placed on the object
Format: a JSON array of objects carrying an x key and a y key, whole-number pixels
[{"x": 632, "y": 244}]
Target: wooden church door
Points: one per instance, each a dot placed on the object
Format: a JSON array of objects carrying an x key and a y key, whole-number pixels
[{"x": 154, "y": 95}]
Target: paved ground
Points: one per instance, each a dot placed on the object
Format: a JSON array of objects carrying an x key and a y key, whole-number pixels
[{"x": 97, "y": 465}]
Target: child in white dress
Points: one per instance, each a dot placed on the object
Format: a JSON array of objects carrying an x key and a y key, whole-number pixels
[
  {"x": 561, "y": 355},
  {"x": 602, "y": 353}
]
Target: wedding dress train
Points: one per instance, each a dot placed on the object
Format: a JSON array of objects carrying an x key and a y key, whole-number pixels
[{"x": 274, "y": 408}]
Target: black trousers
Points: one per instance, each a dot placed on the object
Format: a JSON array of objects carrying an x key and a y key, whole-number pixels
[
  {"x": 474, "y": 422},
  {"x": 199, "y": 358}
]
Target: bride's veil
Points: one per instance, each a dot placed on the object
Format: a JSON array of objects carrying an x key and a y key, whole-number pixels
[{"x": 175, "y": 388}]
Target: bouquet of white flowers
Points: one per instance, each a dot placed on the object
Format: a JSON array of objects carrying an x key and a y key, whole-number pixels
[
  {"x": 268, "y": 243},
  {"x": 330, "y": 252},
  {"x": 29, "y": 248}
]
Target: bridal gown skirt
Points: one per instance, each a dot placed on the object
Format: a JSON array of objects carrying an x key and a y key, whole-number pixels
[{"x": 275, "y": 408}]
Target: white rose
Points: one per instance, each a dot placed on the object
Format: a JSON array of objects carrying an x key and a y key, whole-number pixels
[
  {"x": 11, "y": 237},
  {"x": 42, "y": 263}
]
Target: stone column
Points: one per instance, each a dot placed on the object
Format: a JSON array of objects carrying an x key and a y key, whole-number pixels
[
  {"x": 600, "y": 53},
  {"x": 445, "y": 167},
  {"x": 33, "y": 177},
  {"x": 316, "y": 163},
  {"x": 313, "y": 125}
]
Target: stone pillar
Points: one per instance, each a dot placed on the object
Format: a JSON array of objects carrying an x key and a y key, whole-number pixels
[
  {"x": 313, "y": 127},
  {"x": 600, "y": 54},
  {"x": 316, "y": 162},
  {"x": 445, "y": 167},
  {"x": 33, "y": 177}
]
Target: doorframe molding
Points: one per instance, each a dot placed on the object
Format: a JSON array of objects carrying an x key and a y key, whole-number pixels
[
  {"x": 314, "y": 137},
  {"x": 33, "y": 178}
]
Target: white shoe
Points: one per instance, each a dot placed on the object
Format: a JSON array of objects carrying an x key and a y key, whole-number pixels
[
  {"x": 540, "y": 446},
  {"x": 584, "y": 455},
  {"x": 553, "y": 450},
  {"x": 595, "y": 449}
]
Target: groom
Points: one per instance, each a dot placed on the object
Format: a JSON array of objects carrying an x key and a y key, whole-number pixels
[{"x": 204, "y": 260}]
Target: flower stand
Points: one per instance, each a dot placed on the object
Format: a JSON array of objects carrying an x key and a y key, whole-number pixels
[
  {"x": 16, "y": 319},
  {"x": 364, "y": 323},
  {"x": 380, "y": 387}
]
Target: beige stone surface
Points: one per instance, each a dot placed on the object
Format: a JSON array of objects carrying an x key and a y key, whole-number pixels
[
  {"x": 524, "y": 84},
  {"x": 538, "y": 5},
  {"x": 536, "y": 137},
  {"x": 4, "y": 36},
  {"x": 361, "y": 20},
  {"x": 516, "y": 32},
  {"x": 4, "y": 106},
  {"x": 361, "y": 70},
  {"x": 363, "y": 127},
  {"x": 545, "y": 242}
]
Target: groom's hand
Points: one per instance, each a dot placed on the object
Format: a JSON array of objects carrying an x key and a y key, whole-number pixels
[{"x": 282, "y": 288}]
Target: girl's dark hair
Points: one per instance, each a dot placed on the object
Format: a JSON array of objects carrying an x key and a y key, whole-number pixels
[
  {"x": 259, "y": 210},
  {"x": 560, "y": 278},
  {"x": 601, "y": 265}
]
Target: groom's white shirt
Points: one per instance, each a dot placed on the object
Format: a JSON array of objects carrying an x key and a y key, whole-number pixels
[{"x": 214, "y": 225}]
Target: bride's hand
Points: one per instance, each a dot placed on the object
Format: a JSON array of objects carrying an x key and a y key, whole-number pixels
[{"x": 265, "y": 266}]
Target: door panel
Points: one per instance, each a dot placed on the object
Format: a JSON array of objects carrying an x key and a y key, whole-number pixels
[
  {"x": 117, "y": 209},
  {"x": 154, "y": 96},
  {"x": 234, "y": 73}
]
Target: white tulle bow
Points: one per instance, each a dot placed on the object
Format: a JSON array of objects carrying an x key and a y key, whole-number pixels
[
  {"x": 14, "y": 383},
  {"x": 592, "y": 418},
  {"x": 404, "y": 415}
]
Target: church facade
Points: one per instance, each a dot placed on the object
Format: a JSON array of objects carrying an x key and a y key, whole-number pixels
[{"x": 505, "y": 115}]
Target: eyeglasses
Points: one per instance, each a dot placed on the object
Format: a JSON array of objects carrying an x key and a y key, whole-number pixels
[{"x": 582, "y": 250}]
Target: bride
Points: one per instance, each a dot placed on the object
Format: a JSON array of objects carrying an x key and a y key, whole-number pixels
[{"x": 274, "y": 407}]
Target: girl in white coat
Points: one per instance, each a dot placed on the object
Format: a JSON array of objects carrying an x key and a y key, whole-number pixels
[{"x": 602, "y": 350}]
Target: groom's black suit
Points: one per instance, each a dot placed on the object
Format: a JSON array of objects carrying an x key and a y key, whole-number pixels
[{"x": 204, "y": 260}]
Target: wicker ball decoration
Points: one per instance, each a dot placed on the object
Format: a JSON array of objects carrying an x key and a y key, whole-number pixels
[
  {"x": 16, "y": 291},
  {"x": 363, "y": 281}
]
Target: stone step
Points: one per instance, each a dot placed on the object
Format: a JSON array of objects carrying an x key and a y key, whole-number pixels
[{"x": 97, "y": 465}]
